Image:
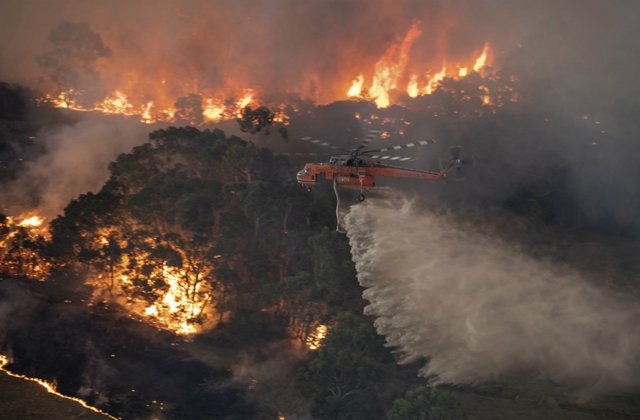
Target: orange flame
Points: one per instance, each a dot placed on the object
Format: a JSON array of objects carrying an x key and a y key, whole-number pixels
[
  {"x": 116, "y": 104},
  {"x": 314, "y": 340},
  {"x": 390, "y": 69},
  {"x": 213, "y": 110},
  {"x": 49, "y": 387},
  {"x": 412, "y": 87},
  {"x": 391, "y": 66},
  {"x": 482, "y": 60},
  {"x": 31, "y": 221},
  {"x": 435, "y": 80},
  {"x": 184, "y": 303},
  {"x": 153, "y": 98},
  {"x": 356, "y": 87},
  {"x": 244, "y": 101}
]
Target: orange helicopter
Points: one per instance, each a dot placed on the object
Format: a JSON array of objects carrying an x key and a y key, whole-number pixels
[{"x": 360, "y": 167}]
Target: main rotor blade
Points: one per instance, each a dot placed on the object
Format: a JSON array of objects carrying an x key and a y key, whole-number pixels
[
  {"x": 301, "y": 154},
  {"x": 400, "y": 146},
  {"x": 322, "y": 143},
  {"x": 371, "y": 135},
  {"x": 393, "y": 158}
]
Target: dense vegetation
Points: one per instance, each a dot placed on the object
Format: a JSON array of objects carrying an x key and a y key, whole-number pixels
[
  {"x": 188, "y": 284},
  {"x": 222, "y": 222}
]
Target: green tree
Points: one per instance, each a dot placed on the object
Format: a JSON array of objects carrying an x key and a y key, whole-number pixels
[
  {"x": 255, "y": 120},
  {"x": 342, "y": 377},
  {"x": 426, "y": 403}
]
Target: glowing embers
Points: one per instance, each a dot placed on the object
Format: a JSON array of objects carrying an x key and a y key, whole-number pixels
[
  {"x": 48, "y": 386},
  {"x": 314, "y": 340}
]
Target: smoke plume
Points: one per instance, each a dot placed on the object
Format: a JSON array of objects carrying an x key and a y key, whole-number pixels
[
  {"x": 481, "y": 308},
  {"x": 76, "y": 161}
]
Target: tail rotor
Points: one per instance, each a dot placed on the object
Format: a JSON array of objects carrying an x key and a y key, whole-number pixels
[{"x": 457, "y": 163}]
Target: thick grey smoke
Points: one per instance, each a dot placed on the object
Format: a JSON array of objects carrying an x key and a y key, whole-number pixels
[
  {"x": 76, "y": 161},
  {"x": 480, "y": 308}
]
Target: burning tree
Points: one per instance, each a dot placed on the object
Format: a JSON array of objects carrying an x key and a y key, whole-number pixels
[
  {"x": 22, "y": 245},
  {"x": 178, "y": 233}
]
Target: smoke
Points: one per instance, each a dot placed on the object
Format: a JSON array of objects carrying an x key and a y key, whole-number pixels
[
  {"x": 71, "y": 62},
  {"x": 17, "y": 304},
  {"x": 314, "y": 48},
  {"x": 76, "y": 161},
  {"x": 207, "y": 44},
  {"x": 266, "y": 371},
  {"x": 481, "y": 308}
]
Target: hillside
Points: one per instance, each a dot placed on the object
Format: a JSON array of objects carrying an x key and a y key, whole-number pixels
[{"x": 23, "y": 399}]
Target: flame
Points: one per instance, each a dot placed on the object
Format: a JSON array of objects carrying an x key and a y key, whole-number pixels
[
  {"x": 149, "y": 112},
  {"x": 31, "y": 221},
  {"x": 213, "y": 110},
  {"x": 153, "y": 98},
  {"x": 17, "y": 260},
  {"x": 280, "y": 116},
  {"x": 390, "y": 70},
  {"x": 391, "y": 66},
  {"x": 116, "y": 104},
  {"x": 482, "y": 60},
  {"x": 356, "y": 87},
  {"x": 314, "y": 340},
  {"x": 412, "y": 87},
  {"x": 146, "y": 116},
  {"x": 486, "y": 95},
  {"x": 182, "y": 299},
  {"x": 244, "y": 101},
  {"x": 434, "y": 82},
  {"x": 48, "y": 386}
]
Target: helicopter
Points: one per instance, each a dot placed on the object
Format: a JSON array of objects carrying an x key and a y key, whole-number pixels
[{"x": 360, "y": 167}]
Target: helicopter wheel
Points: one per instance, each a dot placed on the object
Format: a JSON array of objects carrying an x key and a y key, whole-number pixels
[
  {"x": 361, "y": 197},
  {"x": 308, "y": 189}
]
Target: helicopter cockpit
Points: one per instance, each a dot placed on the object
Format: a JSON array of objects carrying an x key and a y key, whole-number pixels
[{"x": 347, "y": 161}]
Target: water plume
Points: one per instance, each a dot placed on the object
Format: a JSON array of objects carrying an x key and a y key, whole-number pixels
[{"x": 481, "y": 308}]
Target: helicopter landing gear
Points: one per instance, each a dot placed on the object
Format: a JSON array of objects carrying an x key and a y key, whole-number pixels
[{"x": 361, "y": 197}]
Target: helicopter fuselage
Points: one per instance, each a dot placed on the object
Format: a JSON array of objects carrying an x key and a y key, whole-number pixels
[{"x": 361, "y": 172}]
